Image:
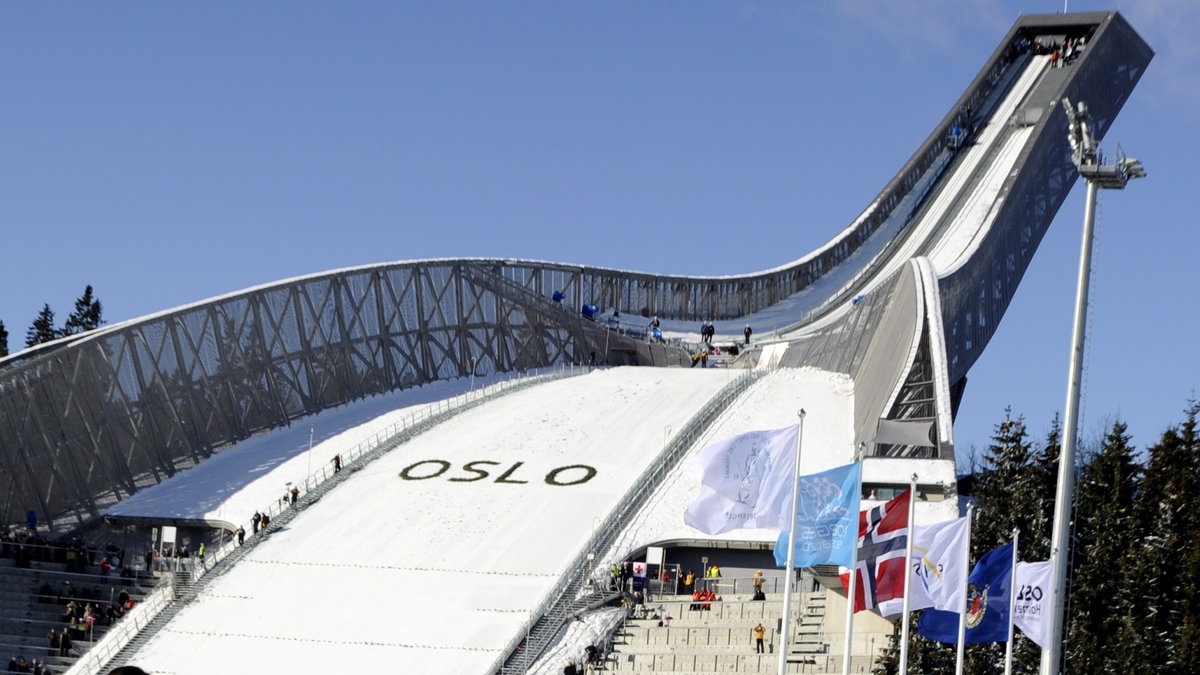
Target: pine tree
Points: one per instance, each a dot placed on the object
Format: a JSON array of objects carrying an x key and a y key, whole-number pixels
[
  {"x": 888, "y": 662},
  {"x": 1010, "y": 494},
  {"x": 1008, "y": 491},
  {"x": 43, "y": 329},
  {"x": 1161, "y": 636},
  {"x": 1105, "y": 530},
  {"x": 1035, "y": 544},
  {"x": 3, "y": 340},
  {"x": 928, "y": 656},
  {"x": 87, "y": 314},
  {"x": 1189, "y": 628},
  {"x": 1036, "y": 534}
]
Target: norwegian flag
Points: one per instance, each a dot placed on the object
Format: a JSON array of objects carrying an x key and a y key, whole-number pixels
[{"x": 882, "y": 546}]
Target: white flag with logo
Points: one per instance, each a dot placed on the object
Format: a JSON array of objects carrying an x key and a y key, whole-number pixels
[
  {"x": 1031, "y": 609},
  {"x": 938, "y": 568},
  {"x": 745, "y": 482}
]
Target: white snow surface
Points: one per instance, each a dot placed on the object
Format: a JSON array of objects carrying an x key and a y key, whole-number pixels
[
  {"x": 429, "y": 575},
  {"x": 234, "y": 483},
  {"x": 437, "y": 575},
  {"x": 828, "y": 441}
]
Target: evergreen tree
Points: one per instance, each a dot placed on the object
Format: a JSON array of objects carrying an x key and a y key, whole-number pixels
[
  {"x": 1105, "y": 531},
  {"x": 1035, "y": 544},
  {"x": 43, "y": 329},
  {"x": 1010, "y": 494},
  {"x": 1035, "y": 538},
  {"x": 1008, "y": 490},
  {"x": 1161, "y": 636},
  {"x": 928, "y": 656},
  {"x": 86, "y": 316},
  {"x": 888, "y": 662},
  {"x": 3, "y": 340},
  {"x": 1189, "y": 627}
]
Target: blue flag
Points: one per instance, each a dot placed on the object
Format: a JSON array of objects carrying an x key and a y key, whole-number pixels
[
  {"x": 826, "y": 519},
  {"x": 988, "y": 589}
]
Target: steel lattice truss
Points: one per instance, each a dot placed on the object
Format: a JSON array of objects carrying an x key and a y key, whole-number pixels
[{"x": 88, "y": 422}]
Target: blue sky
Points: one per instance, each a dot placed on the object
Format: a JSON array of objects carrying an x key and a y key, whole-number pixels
[{"x": 169, "y": 152}]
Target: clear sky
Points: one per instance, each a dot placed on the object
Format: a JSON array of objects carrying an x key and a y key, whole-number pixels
[{"x": 167, "y": 153}]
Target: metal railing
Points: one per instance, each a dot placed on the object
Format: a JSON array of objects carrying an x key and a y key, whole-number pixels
[
  {"x": 122, "y": 632},
  {"x": 554, "y": 609},
  {"x": 739, "y": 663},
  {"x": 365, "y": 451},
  {"x": 391, "y": 436}
]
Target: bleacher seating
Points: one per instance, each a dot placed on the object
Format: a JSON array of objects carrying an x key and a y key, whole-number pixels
[
  {"x": 28, "y": 612},
  {"x": 673, "y": 637}
]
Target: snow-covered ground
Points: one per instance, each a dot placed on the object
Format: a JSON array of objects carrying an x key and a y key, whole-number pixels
[
  {"x": 431, "y": 558},
  {"x": 230, "y": 486}
]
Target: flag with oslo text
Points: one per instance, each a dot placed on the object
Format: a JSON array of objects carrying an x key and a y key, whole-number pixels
[{"x": 1035, "y": 591}]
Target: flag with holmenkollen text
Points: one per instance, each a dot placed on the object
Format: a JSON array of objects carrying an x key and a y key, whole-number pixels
[
  {"x": 882, "y": 548},
  {"x": 745, "y": 482},
  {"x": 988, "y": 590},
  {"x": 939, "y": 568},
  {"x": 826, "y": 518},
  {"x": 1035, "y": 591}
]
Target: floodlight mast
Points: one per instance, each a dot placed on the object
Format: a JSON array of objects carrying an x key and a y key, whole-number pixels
[{"x": 1086, "y": 155}]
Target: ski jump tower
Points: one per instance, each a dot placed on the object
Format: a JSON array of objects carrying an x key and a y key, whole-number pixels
[{"x": 903, "y": 300}]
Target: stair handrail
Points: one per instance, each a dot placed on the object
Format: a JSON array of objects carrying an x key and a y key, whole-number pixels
[
  {"x": 364, "y": 452},
  {"x": 123, "y": 631},
  {"x": 553, "y": 611},
  {"x": 417, "y": 420}
]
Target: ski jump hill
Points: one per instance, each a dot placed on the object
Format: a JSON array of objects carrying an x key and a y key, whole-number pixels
[{"x": 877, "y": 330}]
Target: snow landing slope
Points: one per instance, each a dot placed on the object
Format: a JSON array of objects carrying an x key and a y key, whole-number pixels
[{"x": 431, "y": 558}]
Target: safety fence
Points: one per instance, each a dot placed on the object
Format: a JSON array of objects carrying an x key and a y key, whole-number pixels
[
  {"x": 315, "y": 485},
  {"x": 573, "y": 585},
  {"x": 123, "y": 632}
]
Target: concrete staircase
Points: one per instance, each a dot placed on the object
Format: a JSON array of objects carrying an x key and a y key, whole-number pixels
[
  {"x": 808, "y": 645},
  {"x": 720, "y": 640}
]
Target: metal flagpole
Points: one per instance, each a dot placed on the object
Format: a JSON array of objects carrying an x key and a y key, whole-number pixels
[
  {"x": 311, "y": 431},
  {"x": 789, "y": 581},
  {"x": 850, "y": 613},
  {"x": 853, "y": 579},
  {"x": 1012, "y": 602},
  {"x": 912, "y": 503},
  {"x": 962, "y": 612}
]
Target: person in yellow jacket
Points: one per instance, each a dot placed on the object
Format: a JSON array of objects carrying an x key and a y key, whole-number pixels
[
  {"x": 759, "y": 634},
  {"x": 689, "y": 578}
]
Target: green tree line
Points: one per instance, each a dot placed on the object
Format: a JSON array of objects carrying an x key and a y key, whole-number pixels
[{"x": 1134, "y": 562}]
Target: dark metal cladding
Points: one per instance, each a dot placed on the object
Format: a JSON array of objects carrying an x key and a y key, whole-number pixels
[{"x": 975, "y": 297}]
